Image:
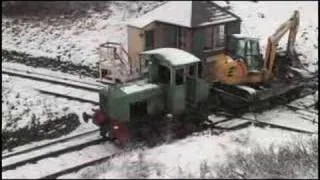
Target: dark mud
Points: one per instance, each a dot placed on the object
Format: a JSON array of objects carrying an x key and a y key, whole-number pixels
[
  {"x": 49, "y": 63},
  {"x": 53, "y": 9},
  {"x": 53, "y": 128}
]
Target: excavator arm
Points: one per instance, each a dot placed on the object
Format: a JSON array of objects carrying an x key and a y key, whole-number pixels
[{"x": 291, "y": 25}]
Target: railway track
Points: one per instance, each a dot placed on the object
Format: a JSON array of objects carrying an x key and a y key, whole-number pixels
[
  {"x": 59, "y": 164},
  {"x": 120, "y": 152},
  {"x": 108, "y": 155},
  {"x": 59, "y": 86},
  {"x": 76, "y": 168},
  {"x": 15, "y": 153},
  {"x": 53, "y": 79},
  {"x": 52, "y": 149}
]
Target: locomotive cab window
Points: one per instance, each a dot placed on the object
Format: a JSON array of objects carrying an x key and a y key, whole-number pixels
[
  {"x": 164, "y": 75},
  {"x": 192, "y": 70},
  {"x": 179, "y": 76},
  {"x": 200, "y": 69}
]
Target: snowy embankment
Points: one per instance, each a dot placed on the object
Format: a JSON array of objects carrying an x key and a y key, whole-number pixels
[{"x": 75, "y": 39}]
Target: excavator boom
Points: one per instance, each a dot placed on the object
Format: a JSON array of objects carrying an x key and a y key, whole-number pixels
[{"x": 291, "y": 25}]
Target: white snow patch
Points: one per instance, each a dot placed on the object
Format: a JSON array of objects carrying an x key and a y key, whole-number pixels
[
  {"x": 247, "y": 88},
  {"x": 138, "y": 88},
  {"x": 176, "y": 57},
  {"x": 180, "y": 10}
]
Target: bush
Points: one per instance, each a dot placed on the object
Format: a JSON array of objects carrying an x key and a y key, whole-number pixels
[{"x": 294, "y": 160}]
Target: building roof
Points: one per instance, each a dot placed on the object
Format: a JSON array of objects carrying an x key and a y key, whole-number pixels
[
  {"x": 175, "y": 57},
  {"x": 186, "y": 13}
]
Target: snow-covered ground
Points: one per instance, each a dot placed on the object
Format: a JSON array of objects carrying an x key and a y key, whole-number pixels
[
  {"x": 77, "y": 42},
  {"x": 22, "y": 102},
  {"x": 183, "y": 159},
  {"x": 67, "y": 160},
  {"x": 23, "y": 107}
]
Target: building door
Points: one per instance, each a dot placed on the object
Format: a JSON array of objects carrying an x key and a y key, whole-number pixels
[
  {"x": 149, "y": 40},
  {"x": 198, "y": 41}
]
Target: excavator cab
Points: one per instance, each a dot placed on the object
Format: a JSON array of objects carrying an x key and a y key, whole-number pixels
[{"x": 247, "y": 49}]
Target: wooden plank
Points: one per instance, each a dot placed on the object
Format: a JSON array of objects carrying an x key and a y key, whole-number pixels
[
  {"x": 233, "y": 123},
  {"x": 292, "y": 123},
  {"x": 217, "y": 119}
]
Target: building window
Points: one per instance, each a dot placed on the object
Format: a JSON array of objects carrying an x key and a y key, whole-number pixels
[
  {"x": 219, "y": 36},
  {"x": 215, "y": 37},
  {"x": 209, "y": 38},
  {"x": 181, "y": 38},
  {"x": 149, "y": 39}
]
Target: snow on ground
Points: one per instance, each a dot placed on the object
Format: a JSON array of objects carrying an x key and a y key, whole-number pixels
[
  {"x": 183, "y": 158},
  {"x": 21, "y": 101},
  {"x": 24, "y": 107},
  {"x": 67, "y": 160},
  {"x": 75, "y": 41}
]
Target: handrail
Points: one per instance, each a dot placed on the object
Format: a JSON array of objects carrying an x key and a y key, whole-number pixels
[
  {"x": 119, "y": 52},
  {"x": 119, "y": 55}
]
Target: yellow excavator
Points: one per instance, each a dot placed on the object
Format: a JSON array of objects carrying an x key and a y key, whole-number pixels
[
  {"x": 243, "y": 73},
  {"x": 244, "y": 63}
]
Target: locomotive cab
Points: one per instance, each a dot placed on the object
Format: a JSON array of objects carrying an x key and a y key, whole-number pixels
[
  {"x": 177, "y": 72},
  {"x": 171, "y": 85}
]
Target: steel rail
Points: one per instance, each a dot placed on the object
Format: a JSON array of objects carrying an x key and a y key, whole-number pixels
[
  {"x": 48, "y": 144},
  {"x": 52, "y": 154},
  {"x": 51, "y": 79},
  {"x": 81, "y": 166}
]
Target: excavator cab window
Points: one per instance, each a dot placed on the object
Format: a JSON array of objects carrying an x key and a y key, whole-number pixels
[
  {"x": 236, "y": 47},
  {"x": 248, "y": 49},
  {"x": 252, "y": 55},
  {"x": 240, "y": 50}
]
